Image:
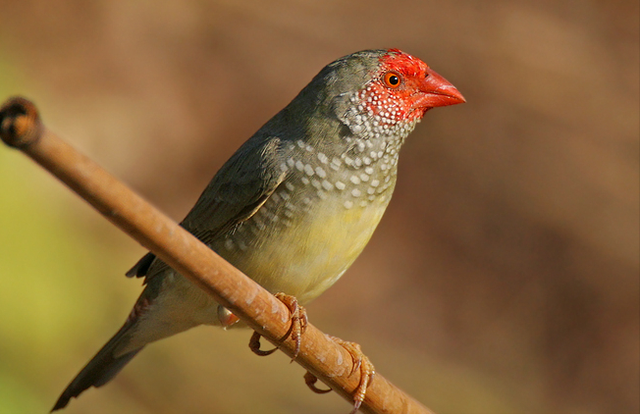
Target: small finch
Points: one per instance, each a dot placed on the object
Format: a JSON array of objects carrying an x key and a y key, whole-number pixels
[{"x": 294, "y": 206}]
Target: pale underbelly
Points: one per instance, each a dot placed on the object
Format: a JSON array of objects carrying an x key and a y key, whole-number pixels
[{"x": 307, "y": 256}]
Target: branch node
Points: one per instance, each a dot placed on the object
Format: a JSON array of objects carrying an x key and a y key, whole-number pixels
[{"x": 20, "y": 124}]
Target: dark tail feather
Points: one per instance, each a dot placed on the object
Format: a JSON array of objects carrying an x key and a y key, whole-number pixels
[{"x": 100, "y": 370}]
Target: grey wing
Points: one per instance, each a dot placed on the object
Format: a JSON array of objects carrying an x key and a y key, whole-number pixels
[{"x": 238, "y": 190}]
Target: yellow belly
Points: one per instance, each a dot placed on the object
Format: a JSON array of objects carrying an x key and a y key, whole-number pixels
[{"x": 310, "y": 254}]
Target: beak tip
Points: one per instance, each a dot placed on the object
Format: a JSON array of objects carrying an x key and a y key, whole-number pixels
[
  {"x": 450, "y": 97},
  {"x": 442, "y": 92},
  {"x": 453, "y": 94}
]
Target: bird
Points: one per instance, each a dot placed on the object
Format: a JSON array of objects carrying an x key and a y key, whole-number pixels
[{"x": 295, "y": 205}]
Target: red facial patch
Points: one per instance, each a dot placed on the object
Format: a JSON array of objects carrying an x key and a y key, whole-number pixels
[
  {"x": 403, "y": 63},
  {"x": 395, "y": 103}
]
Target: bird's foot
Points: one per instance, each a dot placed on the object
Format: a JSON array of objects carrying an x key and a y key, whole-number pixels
[
  {"x": 360, "y": 362},
  {"x": 299, "y": 323}
]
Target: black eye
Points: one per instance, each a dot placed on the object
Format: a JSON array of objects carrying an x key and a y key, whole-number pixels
[{"x": 391, "y": 79}]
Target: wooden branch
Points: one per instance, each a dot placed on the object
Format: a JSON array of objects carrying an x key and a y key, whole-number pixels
[{"x": 21, "y": 127}]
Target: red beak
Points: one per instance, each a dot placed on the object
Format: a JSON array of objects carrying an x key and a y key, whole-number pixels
[{"x": 437, "y": 91}]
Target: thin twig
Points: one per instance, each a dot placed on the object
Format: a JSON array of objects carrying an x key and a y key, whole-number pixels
[{"x": 21, "y": 127}]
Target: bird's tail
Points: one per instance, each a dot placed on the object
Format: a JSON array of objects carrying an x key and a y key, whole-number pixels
[
  {"x": 102, "y": 367},
  {"x": 148, "y": 321}
]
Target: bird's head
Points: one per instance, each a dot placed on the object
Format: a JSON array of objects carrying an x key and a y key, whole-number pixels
[
  {"x": 382, "y": 92},
  {"x": 372, "y": 92}
]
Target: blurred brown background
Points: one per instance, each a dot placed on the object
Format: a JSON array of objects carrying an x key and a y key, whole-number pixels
[{"x": 503, "y": 278}]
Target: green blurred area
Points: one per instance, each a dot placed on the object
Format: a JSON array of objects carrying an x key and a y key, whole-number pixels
[
  {"x": 40, "y": 241},
  {"x": 503, "y": 278}
]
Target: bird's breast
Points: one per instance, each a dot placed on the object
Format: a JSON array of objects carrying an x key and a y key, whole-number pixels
[{"x": 316, "y": 222}]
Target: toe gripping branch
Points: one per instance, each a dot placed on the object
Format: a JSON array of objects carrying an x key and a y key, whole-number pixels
[
  {"x": 298, "y": 325},
  {"x": 299, "y": 322}
]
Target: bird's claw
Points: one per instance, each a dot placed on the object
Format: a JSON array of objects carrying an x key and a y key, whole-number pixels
[
  {"x": 299, "y": 322},
  {"x": 360, "y": 363},
  {"x": 311, "y": 380},
  {"x": 254, "y": 344}
]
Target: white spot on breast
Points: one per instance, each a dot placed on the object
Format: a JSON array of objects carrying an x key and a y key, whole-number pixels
[
  {"x": 321, "y": 173},
  {"x": 308, "y": 169},
  {"x": 348, "y": 204},
  {"x": 355, "y": 179},
  {"x": 283, "y": 167},
  {"x": 228, "y": 244},
  {"x": 327, "y": 185},
  {"x": 299, "y": 165},
  {"x": 305, "y": 180},
  {"x": 355, "y": 192},
  {"x": 340, "y": 185},
  {"x": 364, "y": 177},
  {"x": 368, "y": 170},
  {"x": 289, "y": 186},
  {"x": 323, "y": 158}
]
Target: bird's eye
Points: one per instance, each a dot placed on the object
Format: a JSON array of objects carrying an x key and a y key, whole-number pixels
[{"x": 391, "y": 79}]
